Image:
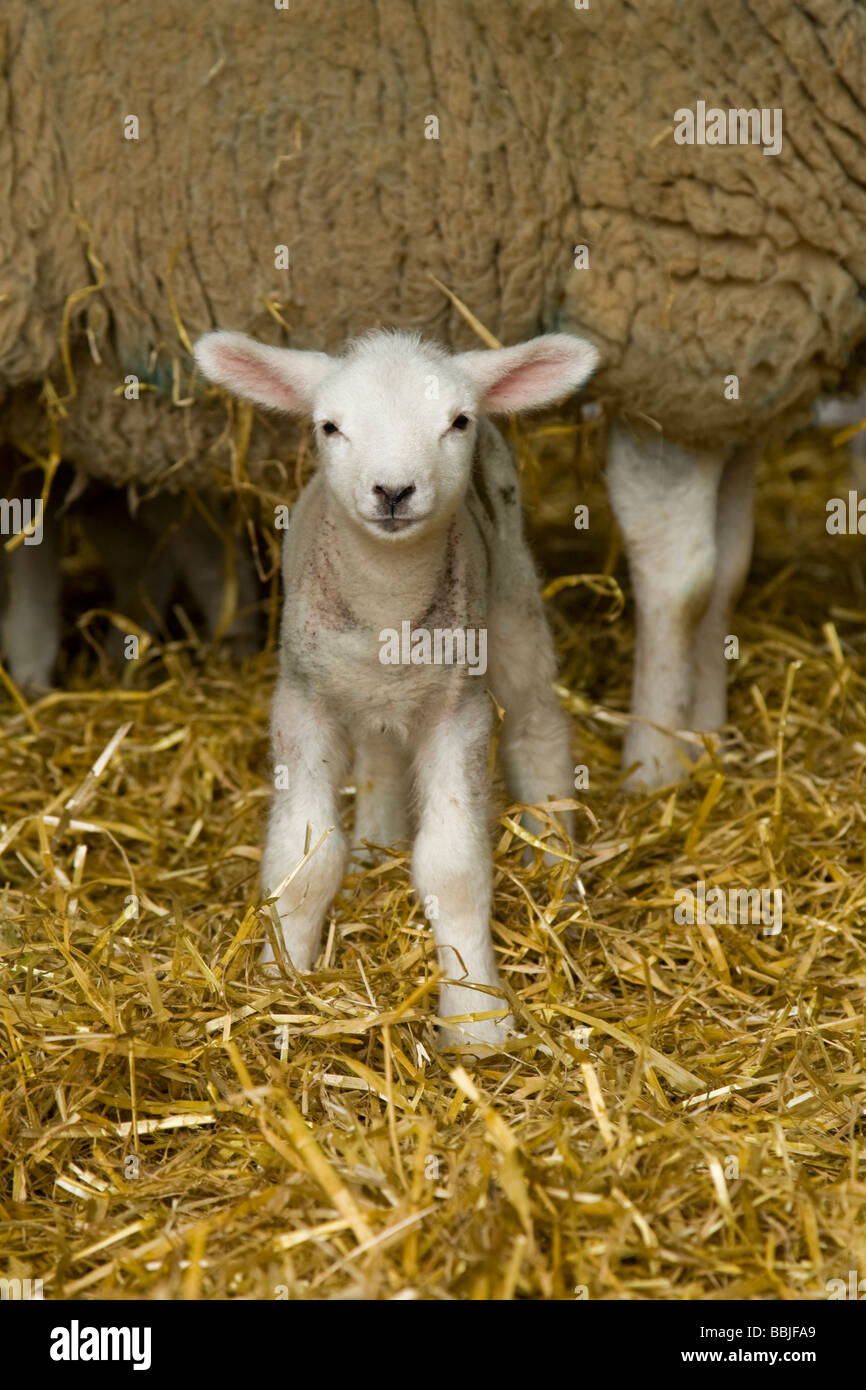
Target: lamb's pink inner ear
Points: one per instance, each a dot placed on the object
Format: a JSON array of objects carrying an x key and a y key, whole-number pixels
[
  {"x": 277, "y": 377},
  {"x": 531, "y": 375}
]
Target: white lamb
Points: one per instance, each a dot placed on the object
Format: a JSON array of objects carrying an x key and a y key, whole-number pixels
[{"x": 413, "y": 518}]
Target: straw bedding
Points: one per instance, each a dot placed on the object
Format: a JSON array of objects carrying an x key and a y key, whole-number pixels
[{"x": 684, "y": 1117}]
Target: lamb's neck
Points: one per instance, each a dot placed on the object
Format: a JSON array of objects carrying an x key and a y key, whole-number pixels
[{"x": 384, "y": 584}]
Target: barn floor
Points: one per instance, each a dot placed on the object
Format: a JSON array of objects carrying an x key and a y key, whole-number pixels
[{"x": 685, "y": 1116}]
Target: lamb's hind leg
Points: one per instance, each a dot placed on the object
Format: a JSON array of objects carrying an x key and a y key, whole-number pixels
[
  {"x": 452, "y": 866},
  {"x": 664, "y": 498},
  {"x": 310, "y": 758},
  {"x": 535, "y": 742},
  {"x": 734, "y": 535},
  {"x": 381, "y": 790}
]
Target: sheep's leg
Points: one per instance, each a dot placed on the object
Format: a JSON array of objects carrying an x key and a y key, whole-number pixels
[
  {"x": 534, "y": 743},
  {"x": 452, "y": 867},
  {"x": 734, "y": 535},
  {"x": 142, "y": 586},
  {"x": 835, "y": 412},
  {"x": 664, "y": 498},
  {"x": 203, "y": 560},
  {"x": 381, "y": 791},
  {"x": 243, "y": 632},
  {"x": 30, "y": 629},
  {"x": 142, "y": 573},
  {"x": 310, "y": 761}
]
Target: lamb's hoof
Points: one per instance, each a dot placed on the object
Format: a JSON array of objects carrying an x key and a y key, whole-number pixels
[
  {"x": 271, "y": 968},
  {"x": 363, "y": 857},
  {"x": 268, "y": 962},
  {"x": 478, "y": 1039},
  {"x": 366, "y": 856}
]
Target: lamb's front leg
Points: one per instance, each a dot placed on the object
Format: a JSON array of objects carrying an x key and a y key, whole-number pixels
[
  {"x": 310, "y": 761},
  {"x": 452, "y": 867},
  {"x": 664, "y": 498}
]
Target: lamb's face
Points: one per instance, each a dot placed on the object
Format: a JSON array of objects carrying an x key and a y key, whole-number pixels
[
  {"x": 395, "y": 431},
  {"x": 395, "y": 418}
]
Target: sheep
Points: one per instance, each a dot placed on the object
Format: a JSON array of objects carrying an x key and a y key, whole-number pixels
[
  {"x": 325, "y": 167},
  {"x": 411, "y": 527},
  {"x": 166, "y": 546},
  {"x": 839, "y": 412},
  {"x": 687, "y": 521},
  {"x": 147, "y": 557},
  {"x": 29, "y": 580}
]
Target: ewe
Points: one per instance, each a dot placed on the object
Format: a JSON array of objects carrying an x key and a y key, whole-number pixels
[{"x": 410, "y": 527}]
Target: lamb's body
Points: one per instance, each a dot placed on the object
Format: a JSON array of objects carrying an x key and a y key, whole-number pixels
[
  {"x": 342, "y": 598},
  {"x": 410, "y": 729},
  {"x": 436, "y": 543}
]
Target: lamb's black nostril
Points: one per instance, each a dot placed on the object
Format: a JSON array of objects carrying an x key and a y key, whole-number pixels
[{"x": 391, "y": 497}]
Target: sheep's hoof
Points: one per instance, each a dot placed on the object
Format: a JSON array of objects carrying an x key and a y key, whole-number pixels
[
  {"x": 34, "y": 687},
  {"x": 655, "y": 759}
]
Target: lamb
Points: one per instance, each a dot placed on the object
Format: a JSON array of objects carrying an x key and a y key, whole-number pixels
[
  {"x": 324, "y": 166},
  {"x": 412, "y": 518}
]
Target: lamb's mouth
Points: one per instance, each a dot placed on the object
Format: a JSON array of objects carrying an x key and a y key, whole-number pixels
[{"x": 392, "y": 524}]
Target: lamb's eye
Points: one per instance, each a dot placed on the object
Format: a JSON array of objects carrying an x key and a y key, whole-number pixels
[
  {"x": 328, "y": 427},
  {"x": 460, "y": 422}
]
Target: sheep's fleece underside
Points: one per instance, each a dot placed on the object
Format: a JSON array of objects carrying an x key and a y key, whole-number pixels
[{"x": 306, "y": 127}]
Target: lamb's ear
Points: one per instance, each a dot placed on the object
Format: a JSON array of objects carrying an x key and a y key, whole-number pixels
[
  {"x": 278, "y": 377},
  {"x": 532, "y": 374}
]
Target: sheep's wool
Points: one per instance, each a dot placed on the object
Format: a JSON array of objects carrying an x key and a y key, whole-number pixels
[{"x": 327, "y": 158}]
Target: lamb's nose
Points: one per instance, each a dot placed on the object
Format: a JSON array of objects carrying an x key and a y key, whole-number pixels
[{"x": 393, "y": 497}]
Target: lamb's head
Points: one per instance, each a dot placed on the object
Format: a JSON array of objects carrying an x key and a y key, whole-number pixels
[{"x": 395, "y": 417}]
